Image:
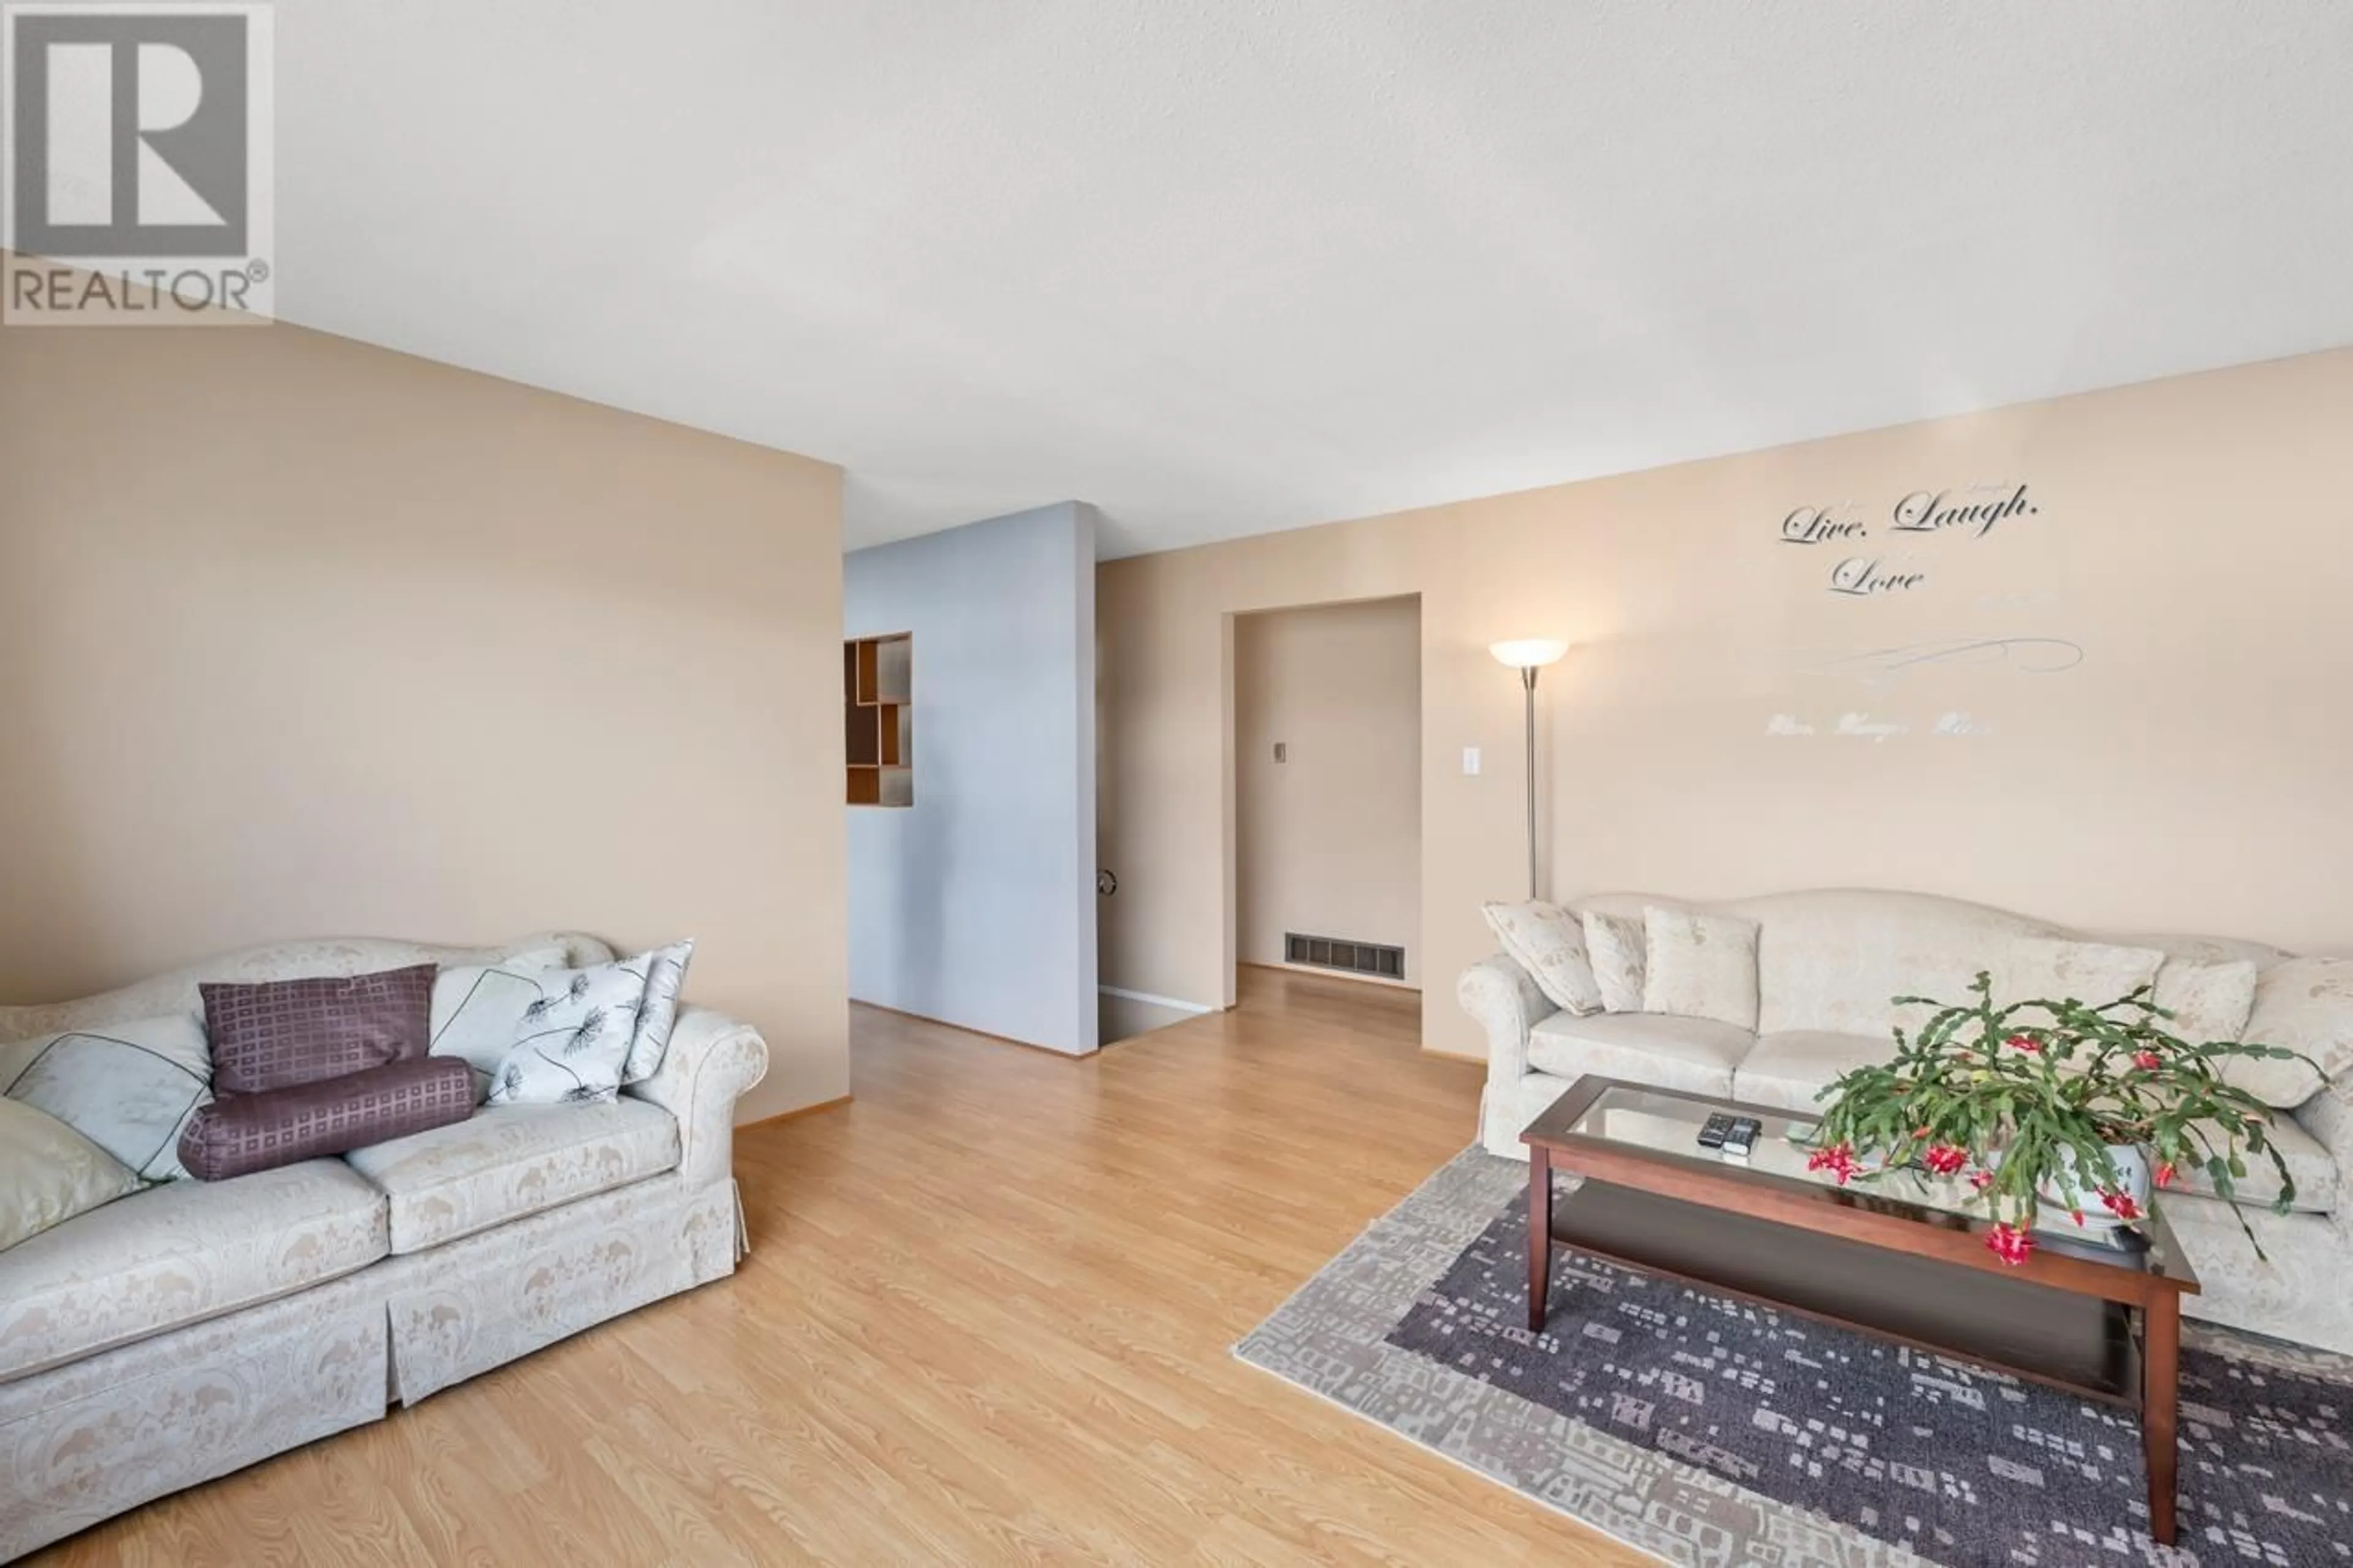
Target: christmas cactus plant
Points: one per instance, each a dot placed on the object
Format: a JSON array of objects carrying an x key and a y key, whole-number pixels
[{"x": 2041, "y": 1103}]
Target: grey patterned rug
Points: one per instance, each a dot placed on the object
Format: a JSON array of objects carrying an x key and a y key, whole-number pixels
[{"x": 1710, "y": 1431}]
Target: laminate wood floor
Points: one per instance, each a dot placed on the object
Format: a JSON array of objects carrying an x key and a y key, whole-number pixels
[{"x": 986, "y": 1320}]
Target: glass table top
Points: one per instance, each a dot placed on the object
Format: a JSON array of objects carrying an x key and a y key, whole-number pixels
[{"x": 1669, "y": 1123}]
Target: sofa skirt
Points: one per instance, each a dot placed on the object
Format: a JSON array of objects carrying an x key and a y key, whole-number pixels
[
  {"x": 86, "y": 1441},
  {"x": 83, "y": 1442},
  {"x": 464, "y": 1308}
]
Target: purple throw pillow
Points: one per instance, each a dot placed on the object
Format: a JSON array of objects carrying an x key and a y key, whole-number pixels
[
  {"x": 282, "y": 1033},
  {"x": 242, "y": 1133}
]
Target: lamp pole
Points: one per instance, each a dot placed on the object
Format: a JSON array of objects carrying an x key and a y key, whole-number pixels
[
  {"x": 1528, "y": 690},
  {"x": 1528, "y": 654}
]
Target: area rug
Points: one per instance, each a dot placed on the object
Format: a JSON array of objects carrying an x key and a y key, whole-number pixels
[{"x": 1710, "y": 1431}]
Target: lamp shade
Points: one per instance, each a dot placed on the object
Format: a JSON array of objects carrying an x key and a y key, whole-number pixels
[{"x": 1528, "y": 653}]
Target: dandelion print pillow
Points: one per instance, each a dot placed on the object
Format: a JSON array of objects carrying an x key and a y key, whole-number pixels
[
  {"x": 571, "y": 1043},
  {"x": 665, "y": 970}
]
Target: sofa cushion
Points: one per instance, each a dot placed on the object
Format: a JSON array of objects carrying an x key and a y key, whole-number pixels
[
  {"x": 1696, "y": 1054},
  {"x": 2309, "y": 1165},
  {"x": 478, "y": 1008},
  {"x": 1831, "y": 958},
  {"x": 2196, "y": 949},
  {"x": 513, "y": 1160},
  {"x": 50, "y": 1173},
  {"x": 177, "y": 991},
  {"x": 1785, "y": 1069},
  {"x": 282, "y": 1034},
  {"x": 1548, "y": 941},
  {"x": 238, "y": 1134},
  {"x": 665, "y": 978},
  {"x": 179, "y": 1254},
  {"x": 1614, "y": 945},
  {"x": 571, "y": 1044},
  {"x": 1700, "y": 965},
  {"x": 2057, "y": 969},
  {"x": 2304, "y": 1004},
  {"x": 129, "y": 1088},
  {"x": 2209, "y": 1001}
]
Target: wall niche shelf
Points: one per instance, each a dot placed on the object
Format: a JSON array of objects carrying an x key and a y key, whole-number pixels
[{"x": 878, "y": 707}]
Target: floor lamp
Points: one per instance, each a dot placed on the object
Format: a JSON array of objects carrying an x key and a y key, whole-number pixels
[{"x": 1528, "y": 654}]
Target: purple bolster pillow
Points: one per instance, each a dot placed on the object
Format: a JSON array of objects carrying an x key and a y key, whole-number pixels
[{"x": 238, "y": 1134}]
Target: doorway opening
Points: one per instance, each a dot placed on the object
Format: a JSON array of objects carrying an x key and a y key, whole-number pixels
[{"x": 1326, "y": 784}]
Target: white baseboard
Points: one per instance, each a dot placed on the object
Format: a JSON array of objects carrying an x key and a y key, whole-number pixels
[{"x": 1148, "y": 998}]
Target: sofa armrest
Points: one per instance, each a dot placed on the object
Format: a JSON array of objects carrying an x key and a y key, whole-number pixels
[
  {"x": 712, "y": 1062},
  {"x": 1507, "y": 1003}
]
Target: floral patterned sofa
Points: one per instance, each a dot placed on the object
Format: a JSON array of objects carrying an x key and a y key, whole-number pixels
[
  {"x": 192, "y": 1329},
  {"x": 1829, "y": 962}
]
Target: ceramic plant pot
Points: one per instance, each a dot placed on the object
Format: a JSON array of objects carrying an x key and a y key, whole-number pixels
[{"x": 2132, "y": 1163}]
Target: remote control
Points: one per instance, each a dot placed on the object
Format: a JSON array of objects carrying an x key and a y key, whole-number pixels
[
  {"x": 1742, "y": 1139},
  {"x": 1712, "y": 1136}
]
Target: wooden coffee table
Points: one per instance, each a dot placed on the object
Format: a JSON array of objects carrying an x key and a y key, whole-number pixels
[{"x": 1890, "y": 1257}]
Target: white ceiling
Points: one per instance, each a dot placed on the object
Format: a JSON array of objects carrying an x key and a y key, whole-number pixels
[{"x": 1226, "y": 266}]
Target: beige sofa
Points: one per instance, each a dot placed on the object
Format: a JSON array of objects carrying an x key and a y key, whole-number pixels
[
  {"x": 1828, "y": 963},
  {"x": 192, "y": 1329}
]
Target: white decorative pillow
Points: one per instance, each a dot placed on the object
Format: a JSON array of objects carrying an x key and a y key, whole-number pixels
[
  {"x": 478, "y": 1008},
  {"x": 129, "y": 1090},
  {"x": 50, "y": 1172},
  {"x": 2304, "y": 1004},
  {"x": 573, "y": 1040},
  {"x": 2209, "y": 1001},
  {"x": 1700, "y": 965},
  {"x": 1614, "y": 945},
  {"x": 1548, "y": 941},
  {"x": 2054, "y": 968},
  {"x": 665, "y": 974}
]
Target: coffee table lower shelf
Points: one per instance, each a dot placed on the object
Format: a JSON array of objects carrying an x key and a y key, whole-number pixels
[{"x": 2074, "y": 1342}]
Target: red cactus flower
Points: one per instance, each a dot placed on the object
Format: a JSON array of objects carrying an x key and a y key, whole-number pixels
[
  {"x": 2010, "y": 1243},
  {"x": 2121, "y": 1204},
  {"x": 1838, "y": 1159},
  {"x": 2075, "y": 1215},
  {"x": 2024, "y": 1043},
  {"x": 1946, "y": 1160},
  {"x": 1980, "y": 1180},
  {"x": 2165, "y": 1173},
  {"x": 2148, "y": 1061},
  {"x": 1918, "y": 1133}
]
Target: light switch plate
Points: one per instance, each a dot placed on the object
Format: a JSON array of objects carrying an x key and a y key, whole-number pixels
[
  {"x": 1281, "y": 750},
  {"x": 1470, "y": 762}
]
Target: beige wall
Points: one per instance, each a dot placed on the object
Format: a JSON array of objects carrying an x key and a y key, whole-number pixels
[
  {"x": 2189, "y": 536},
  {"x": 302, "y": 636},
  {"x": 1329, "y": 841}
]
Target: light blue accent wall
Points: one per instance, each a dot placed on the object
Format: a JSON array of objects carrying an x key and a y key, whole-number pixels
[{"x": 977, "y": 905}]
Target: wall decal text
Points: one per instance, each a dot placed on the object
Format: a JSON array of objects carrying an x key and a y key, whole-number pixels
[
  {"x": 1864, "y": 576},
  {"x": 1922, "y": 512},
  {"x": 1865, "y": 727}
]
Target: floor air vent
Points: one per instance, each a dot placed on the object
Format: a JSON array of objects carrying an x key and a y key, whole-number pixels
[{"x": 1351, "y": 957}]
